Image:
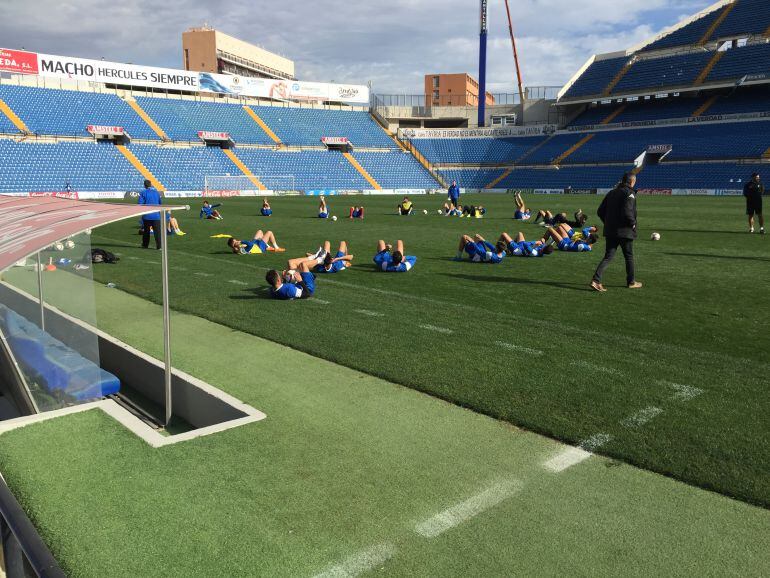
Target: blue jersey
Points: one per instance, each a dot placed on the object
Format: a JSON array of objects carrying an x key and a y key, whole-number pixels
[
  {"x": 150, "y": 196},
  {"x": 301, "y": 290},
  {"x": 336, "y": 266},
  {"x": 522, "y": 215},
  {"x": 402, "y": 267},
  {"x": 454, "y": 192},
  {"x": 255, "y": 246},
  {"x": 266, "y": 212},
  {"x": 483, "y": 252},
  {"x": 526, "y": 249},
  {"x": 322, "y": 215},
  {"x": 573, "y": 246},
  {"x": 208, "y": 212},
  {"x": 357, "y": 214}
]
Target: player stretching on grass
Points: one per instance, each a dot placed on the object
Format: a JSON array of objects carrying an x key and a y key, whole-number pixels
[
  {"x": 550, "y": 219},
  {"x": 356, "y": 213},
  {"x": 323, "y": 210},
  {"x": 480, "y": 250},
  {"x": 561, "y": 237},
  {"x": 520, "y": 247},
  {"x": 451, "y": 210},
  {"x": 405, "y": 207},
  {"x": 299, "y": 284},
  {"x": 261, "y": 243},
  {"x": 395, "y": 262},
  {"x": 266, "y": 211},
  {"x": 326, "y": 263},
  {"x": 522, "y": 212},
  {"x": 208, "y": 211}
]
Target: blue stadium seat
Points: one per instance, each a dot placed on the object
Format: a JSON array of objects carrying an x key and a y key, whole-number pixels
[
  {"x": 596, "y": 77},
  {"x": 392, "y": 169},
  {"x": 489, "y": 151}
]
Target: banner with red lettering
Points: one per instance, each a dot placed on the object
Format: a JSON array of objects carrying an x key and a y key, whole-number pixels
[{"x": 18, "y": 61}]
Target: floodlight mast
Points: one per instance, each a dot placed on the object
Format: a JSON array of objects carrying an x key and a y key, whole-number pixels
[
  {"x": 522, "y": 94},
  {"x": 483, "y": 65}
]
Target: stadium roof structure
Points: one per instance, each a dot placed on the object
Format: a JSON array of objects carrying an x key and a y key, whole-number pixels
[{"x": 30, "y": 224}]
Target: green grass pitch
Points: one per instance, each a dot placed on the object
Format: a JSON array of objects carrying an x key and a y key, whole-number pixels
[{"x": 524, "y": 341}]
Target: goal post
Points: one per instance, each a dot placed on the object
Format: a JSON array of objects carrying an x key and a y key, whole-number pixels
[{"x": 213, "y": 184}]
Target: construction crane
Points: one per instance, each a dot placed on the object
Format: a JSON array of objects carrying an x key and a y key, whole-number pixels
[{"x": 522, "y": 95}]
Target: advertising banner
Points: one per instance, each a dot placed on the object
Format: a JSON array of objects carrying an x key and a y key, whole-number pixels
[
  {"x": 106, "y": 130},
  {"x": 571, "y": 191},
  {"x": 499, "y": 132},
  {"x": 659, "y": 148},
  {"x": 658, "y": 192},
  {"x": 18, "y": 61},
  {"x": 335, "y": 140},
  {"x": 548, "y": 191},
  {"x": 692, "y": 192},
  {"x": 213, "y": 135}
]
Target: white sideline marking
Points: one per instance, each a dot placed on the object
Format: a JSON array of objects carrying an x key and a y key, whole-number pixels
[
  {"x": 435, "y": 328},
  {"x": 177, "y": 268},
  {"x": 641, "y": 417},
  {"x": 369, "y": 313},
  {"x": 594, "y": 367},
  {"x": 464, "y": 511},
  {"x": 236, "y": 282},
  {"x": 682, "y": 392},
  {"x": 153, "y": 262},
  {"x": 200, "y": 274},
  {"x": 513, "y": 347},
  {"x": 574, "y": 455},
  {"x": 132, "y": 257},
  {"x": 360, "y": 562},
  {"x": 320, "y": 301}
]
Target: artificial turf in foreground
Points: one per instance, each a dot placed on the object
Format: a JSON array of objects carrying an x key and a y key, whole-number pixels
[
  {"x": 472, "y": 333},
  {"x": 344, "y": 475}
]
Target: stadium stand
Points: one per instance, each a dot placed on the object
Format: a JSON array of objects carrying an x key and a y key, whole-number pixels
[
  {"x": 596, "y": 77},
  {"x": 738, "y": 62},
  {"x": 184, "y": 168},
  {"x": 68, "y": 112},
  {"x": 747, "y": 17},
  {"x": 687, "y": 35},
  {"x": 472, "y": 178},
  {"x": 475, "y": 150},
  {"x": 658, "y": 73},
  {"x": 394, "y": 169}
]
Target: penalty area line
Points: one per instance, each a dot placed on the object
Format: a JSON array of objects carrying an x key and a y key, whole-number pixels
[
  {"x": 360, "y": 562},
  {"x": 435, "y": 328},
  {"x": 512, "y": 347}
]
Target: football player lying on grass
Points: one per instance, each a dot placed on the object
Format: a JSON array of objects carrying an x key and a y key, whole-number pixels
[
  {"x": 480, "y": 250},
  {"x": 172, "y": 226},
  {"x": 451, "y": 211},
  {"x": 395, "y": 262},
  {"x": 326, "y": 263},
  {"x": 405, "y": 207},
  {"x": 522, "y": 212},
  {"x": 323, "y": 210},
  {"x": 296, "y": 283},
  {"x": 209, "y": 211},
  {"x": 520, "y": 247},
  {"x": 550, "y": 219},
  {"x": 560, "y": 235},
  {"x": 356, "y": 213},
  {"x": 473, "y": 211},
  {"x": 261, "y": 243},
  {"x": 266, "y": 211}
]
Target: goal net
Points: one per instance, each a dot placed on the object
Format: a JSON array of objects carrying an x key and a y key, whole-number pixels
[{"x": 212, "y": 184}]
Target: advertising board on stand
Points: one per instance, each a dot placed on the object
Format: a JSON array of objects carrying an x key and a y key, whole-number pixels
[{"x": 657, "y": 192}]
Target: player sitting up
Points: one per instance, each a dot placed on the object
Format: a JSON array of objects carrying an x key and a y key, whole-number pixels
[
  {"x": 451, "y": 211},
  {"x": 480, "y": 250},
  {"x": 522, "y": 212},
  {"x": 172, "y": 226},
  {"x": 395, "y": 262},
  {"x": 405, "y": 207},
  {"x": 209, "y": 211},
  {"x": 520, "y": 247},
  {"x": 296, "y": 283},
  {"x": 326, "y": 263},
  {"x": 550, "y": 220},
  {"x": 266, "y": 210},
  {"x": 261, "y": 243},
  {"x": 473, "y": 211},
  {"x": 560, "y": 235},
  {"x": 356, "y": 213},
  {"x": 323, "y": 210}
]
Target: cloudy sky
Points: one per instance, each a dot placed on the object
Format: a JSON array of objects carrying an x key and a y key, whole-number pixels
[{"x": 391, "y": 43}]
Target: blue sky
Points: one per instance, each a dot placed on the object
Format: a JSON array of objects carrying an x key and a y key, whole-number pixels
[{"x": 391, "y": 43}]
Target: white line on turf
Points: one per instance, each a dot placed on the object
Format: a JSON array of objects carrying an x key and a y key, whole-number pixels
[
  {"x": 319, "y": 301},
  {"x": 236, "y": 282},
  {"x": 369, "y": 313},
  {"x": 641, "y": 417},
  {"x": 513, "y": 347},
  {"x": 571, "y": 456},
  {"x": 360, "y": 562},
  {"x": 132, "y": 257},
  {"x": 435, "y": 328},
  {"x": 682, "y": 392},
  {"x": 201, "y": 274},
  {"x": 467, "y": 509},
  {"x": 594, "y": 367}
]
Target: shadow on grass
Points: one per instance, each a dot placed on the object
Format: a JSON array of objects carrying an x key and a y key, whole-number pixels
[
  {"x": 252, "y": 293},
  {"x": 583, "y": 287},
  {"x": 712, "y": 256}
]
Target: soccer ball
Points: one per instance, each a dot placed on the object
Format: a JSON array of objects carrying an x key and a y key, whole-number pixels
[
  {"x": 425, "y": 211},
  {"x": 59, "y": 246},
  {"x": 334, "y": 217},
  {"x": 655, "y": 236},
  {"x": 69, "y": 244},
  {"x": 438, "y": 211}
]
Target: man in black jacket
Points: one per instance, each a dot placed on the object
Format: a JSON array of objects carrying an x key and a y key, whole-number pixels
[
  {"x": 618, "y": 213},
  {"x": 753, "y": 191}
]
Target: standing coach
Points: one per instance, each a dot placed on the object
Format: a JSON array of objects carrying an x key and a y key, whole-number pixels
[
  {"x": 753, "y": 191},
  {"x": 150, "y": 196},
  {"x": 454, "y": 195},
  {"x": 618, "y": 213}
]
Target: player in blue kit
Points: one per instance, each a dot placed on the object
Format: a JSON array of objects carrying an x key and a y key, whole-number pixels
[
  {"x": 520, "y": 247},
  {"x": 326, "y": 263},
  {"x": 393, "y": 262},
  {"x": 522, "y": 212},
  {"x": 298, "y": 284},
  {"x": 480, "y": 250},
  {"x": 356, "y": 213},
  {"x": 323, "y": 210},
  {"x": 564, "y": 243},
  {"x": 261, "y": 243},
  {"x": 588, "y": 234},
  {"x": 265, "y": 211},
  {"x": 209, "y": 211}
]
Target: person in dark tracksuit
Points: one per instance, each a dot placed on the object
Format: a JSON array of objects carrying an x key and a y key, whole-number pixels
[
  {"x": 618, "y": 213},
  {"x": 454, "y": 195},
  {"x": 753, "y": 191},
  {"x": 150, "y": 196}
]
